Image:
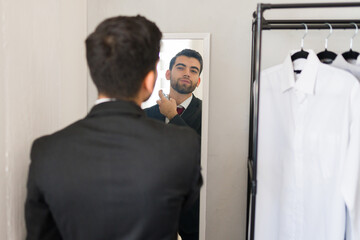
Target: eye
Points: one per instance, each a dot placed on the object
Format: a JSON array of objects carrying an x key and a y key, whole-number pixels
[
  {"x": 180, "y": 68},
  {"x": 194, "y": 71}
]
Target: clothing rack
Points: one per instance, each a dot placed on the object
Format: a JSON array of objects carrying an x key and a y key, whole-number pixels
[{"x": 259, "y": 24}]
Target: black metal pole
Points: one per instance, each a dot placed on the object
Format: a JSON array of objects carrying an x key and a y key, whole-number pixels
[
  {"x": 298, "y": 24},
  {"x": 311, "y": 5},
  {"x": 251, "y": 112},
  {"x": 311, "y": 21},
  {"x": 255, "y": 93}
]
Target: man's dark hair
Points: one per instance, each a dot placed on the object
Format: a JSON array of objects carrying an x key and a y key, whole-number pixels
[
  {"x": 188, "y": 53},
  {"x": 120, "y": 52}
]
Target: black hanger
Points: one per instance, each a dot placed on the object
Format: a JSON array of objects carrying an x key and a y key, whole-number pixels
[
  {"x": 352, "y": 55},
  {"x": 327, "y": 56},
  {"x": 301, "y": 54}
]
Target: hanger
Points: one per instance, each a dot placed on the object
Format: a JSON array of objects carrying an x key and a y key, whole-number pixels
[
  {"x": 327, "y": 56},
  {"x": 301, "y": 53},
  {"x": 352, "y": 55}
]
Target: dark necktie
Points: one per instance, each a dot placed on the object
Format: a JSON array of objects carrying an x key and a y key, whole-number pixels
[{"x": 180, "y": 110}]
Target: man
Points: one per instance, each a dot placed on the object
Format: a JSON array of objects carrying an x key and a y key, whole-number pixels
[
  {"x": 182, "y": 108},
  {"x": 112, "y": 175},
  {"x": 184, "y": 75}
]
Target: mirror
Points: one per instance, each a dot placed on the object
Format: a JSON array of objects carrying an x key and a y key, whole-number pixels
[{"x": 172, "y": 43}]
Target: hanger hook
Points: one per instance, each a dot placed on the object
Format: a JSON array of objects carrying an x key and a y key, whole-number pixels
[
  {"x": 327, "y": 38},
  {"x": 302, "y": 39},
  {"x": 352, "y": 38}
]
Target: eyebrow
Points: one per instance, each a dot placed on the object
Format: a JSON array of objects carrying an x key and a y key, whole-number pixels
[{"x": 193, "y": 67}]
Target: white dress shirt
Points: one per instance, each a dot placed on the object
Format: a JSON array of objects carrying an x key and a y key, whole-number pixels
[
  {"x": 308, "y": 152},
  {"x": 102, "y": 100},
  {"x": 340, "y": 62},
  {"x": 358, "y": 60}
]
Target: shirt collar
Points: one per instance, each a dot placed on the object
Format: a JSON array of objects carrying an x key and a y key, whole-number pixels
[
  {"x": 306, "y": 80},
  {"x": 186, "y": 103},
  {"x": 116, "y": 107},
  {"x": 102, "y": 100}
]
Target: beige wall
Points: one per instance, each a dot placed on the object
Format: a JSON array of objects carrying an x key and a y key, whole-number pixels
[
  {"x": 2, "y": 135},
  {"x": 42, "y": 88}
]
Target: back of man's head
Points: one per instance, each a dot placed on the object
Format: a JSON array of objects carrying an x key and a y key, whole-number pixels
[
  {"x": 187, "y": 53},
  {"x": 120, "y": 53}
]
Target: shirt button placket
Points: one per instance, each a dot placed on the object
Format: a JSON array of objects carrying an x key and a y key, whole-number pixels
[{"x": 298, "y": 168}]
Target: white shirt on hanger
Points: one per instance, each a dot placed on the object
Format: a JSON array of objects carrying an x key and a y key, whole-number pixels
[
  {"x": 308, "y": 152},
  {"x": 340, "y": 62}
]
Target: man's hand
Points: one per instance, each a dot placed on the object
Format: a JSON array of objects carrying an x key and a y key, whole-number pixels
[{"x": 167, "y": 106}]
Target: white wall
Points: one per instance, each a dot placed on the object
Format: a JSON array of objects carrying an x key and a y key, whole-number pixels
[
  {"x": 42, "y": 88},
  {"x": 229, "y": 23}
]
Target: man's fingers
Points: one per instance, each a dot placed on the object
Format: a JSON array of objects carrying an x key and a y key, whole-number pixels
[{"x": 161, "y": 95}]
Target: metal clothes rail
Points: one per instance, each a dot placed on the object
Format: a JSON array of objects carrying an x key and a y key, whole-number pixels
[{"x": 259, "y": 24}]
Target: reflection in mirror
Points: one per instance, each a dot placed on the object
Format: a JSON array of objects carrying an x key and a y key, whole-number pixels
[
  {"x": 173, "y": 43},
  {"x": 169, "y": 48},
  {"x": 186, "y": 82}
]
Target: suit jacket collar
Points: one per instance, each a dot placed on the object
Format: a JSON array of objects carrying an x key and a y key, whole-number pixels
[
  {"x": 116, "y": 107},
  {"x": 194, "y": 101},
  {"x": 192, "y": 106}
]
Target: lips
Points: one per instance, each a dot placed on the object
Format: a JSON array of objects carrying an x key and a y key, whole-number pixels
[{"x": 185, "y": 80}]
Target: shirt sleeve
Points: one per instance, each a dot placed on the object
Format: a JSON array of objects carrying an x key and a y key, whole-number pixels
[{"x": 351, "y": 181}]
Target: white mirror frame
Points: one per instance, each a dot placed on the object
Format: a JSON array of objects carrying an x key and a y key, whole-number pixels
[{"x": 205, "y": 116}]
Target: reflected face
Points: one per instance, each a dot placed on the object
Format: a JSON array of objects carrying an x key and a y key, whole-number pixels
[{"x": 185, "y": 75}]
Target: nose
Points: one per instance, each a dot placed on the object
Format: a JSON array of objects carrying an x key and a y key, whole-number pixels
[{"x": 187, "y": 72}]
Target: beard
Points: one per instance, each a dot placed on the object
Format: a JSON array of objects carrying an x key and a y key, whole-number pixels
[{"x": 181, "y": 87}]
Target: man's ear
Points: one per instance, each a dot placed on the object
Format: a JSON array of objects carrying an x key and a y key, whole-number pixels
[
  {"x": 149, "y": 81},
  {"x": 168, "y": 74},
  {"x": 198, "y": 83}
]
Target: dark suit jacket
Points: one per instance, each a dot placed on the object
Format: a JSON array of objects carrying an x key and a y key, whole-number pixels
[
  {"x": 112, "y": 175},
  {"x": 191, "y": 117}
]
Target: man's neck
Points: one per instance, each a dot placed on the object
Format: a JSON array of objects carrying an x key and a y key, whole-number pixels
[{"x": 179, "y": 97}]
